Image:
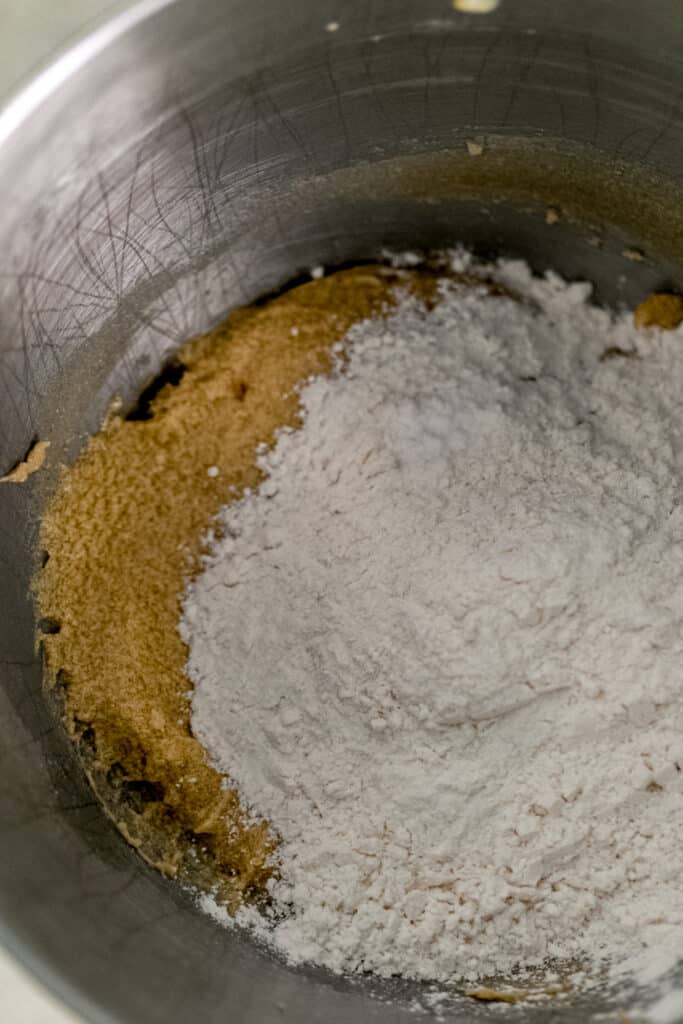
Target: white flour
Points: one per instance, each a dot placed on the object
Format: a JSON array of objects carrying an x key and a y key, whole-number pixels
[{"x": 441, "y": 648}]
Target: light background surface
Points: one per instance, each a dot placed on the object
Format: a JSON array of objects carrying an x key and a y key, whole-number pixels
[{"x": 31, "y": 33}]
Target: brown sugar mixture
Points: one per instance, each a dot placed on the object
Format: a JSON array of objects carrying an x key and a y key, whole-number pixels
[
  {"x": 663, "y": 310},
  {"x": 124, "y": 532}
]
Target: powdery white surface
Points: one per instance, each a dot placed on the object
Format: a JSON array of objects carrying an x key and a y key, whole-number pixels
[
  {"x": 667, "y": 1010},
  {"x": 440, "y": 648}
]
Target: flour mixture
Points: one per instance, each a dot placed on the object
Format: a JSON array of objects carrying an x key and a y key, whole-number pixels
[{"x": 438, "y": 648}]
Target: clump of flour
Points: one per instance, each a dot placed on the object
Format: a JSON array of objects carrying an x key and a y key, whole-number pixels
[{"x": 439, "y": 649}]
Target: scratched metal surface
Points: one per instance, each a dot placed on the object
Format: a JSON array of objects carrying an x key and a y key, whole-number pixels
[{"x": 193, "y": 159}]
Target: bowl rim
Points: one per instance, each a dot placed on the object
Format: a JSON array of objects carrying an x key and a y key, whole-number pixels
[{"x": 69, "y": 57}]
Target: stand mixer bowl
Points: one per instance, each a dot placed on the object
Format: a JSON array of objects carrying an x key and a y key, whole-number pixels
[{"x": 189, "y": 157}]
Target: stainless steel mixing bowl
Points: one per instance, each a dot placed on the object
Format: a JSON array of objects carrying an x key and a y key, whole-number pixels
[{"x": 192, "y": 156}]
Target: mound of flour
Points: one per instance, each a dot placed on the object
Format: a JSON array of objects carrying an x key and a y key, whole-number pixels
[{"x": 440, "y": 649}]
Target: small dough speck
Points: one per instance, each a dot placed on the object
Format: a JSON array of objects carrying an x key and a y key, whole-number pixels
[
  {"x": 31, "y": 464},
  {"x": 476, "y": 6},
  {"x": 663, "y": 309}
]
